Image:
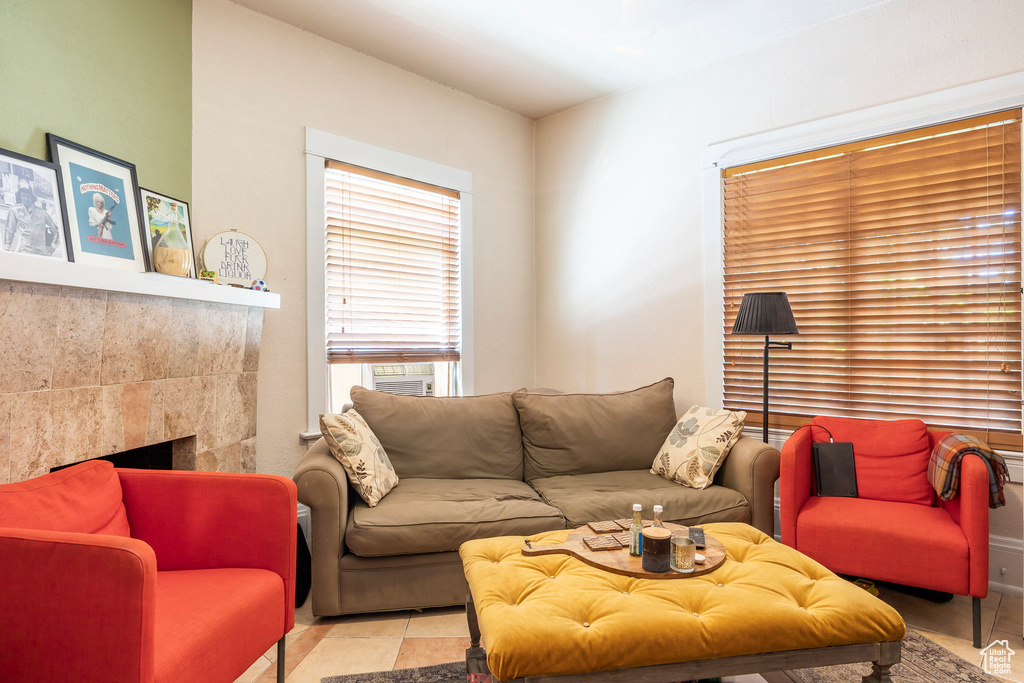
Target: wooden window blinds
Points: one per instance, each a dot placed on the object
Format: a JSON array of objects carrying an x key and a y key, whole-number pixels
[
  {"x": 901, "y": 257},
  {"x": 392, "y": 268}
]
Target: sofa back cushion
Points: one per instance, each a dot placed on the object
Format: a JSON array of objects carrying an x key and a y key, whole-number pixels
[
  {"x": 85, "y": 498},
  {"x": 891, "y": 456},
  {"x": 587, "y": 433},
  {"x": 471, "y": 437}
]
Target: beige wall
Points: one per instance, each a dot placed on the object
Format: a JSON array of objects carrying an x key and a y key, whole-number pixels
[
  {"x": 619, "y": 242},
  {"x": 256, "y": 84}
]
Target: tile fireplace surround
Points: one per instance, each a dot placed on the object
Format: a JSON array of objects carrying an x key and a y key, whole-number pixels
[{"x": 85, "y": 373}]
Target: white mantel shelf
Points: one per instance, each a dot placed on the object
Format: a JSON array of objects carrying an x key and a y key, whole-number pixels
[{"x": 52, "y": 272}]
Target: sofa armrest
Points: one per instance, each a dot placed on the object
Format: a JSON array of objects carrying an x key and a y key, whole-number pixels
[
  {"x": 751, "y": 468},
  {"x": 970, "y": 510},
  {"x": 76, "y": 607},
  {"x": 796, "y": 482},
  {"x": 323, "y": 486},
  {"x": 212, "y": 520}
]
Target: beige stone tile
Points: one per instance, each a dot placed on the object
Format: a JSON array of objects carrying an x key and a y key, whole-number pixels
[
  {"x": 76, "y": 416},
  {"x": 206, "y": 461},
  {"x": 289, "y": 640},
  {"x": 338, "y": 656},
  {"x": 111, "y": 437},
  {"x": 951, "y": 618},
  {"x": 222, "y": 339},
  {"x": 229, "y": 458},
  {"x": 430, "y": 651},
  {"x": 1011, "y": 615},
  {"x": 255, "y": 670},
  {"x": 5, "y": 438},
  {"x": 231, "y": 417},
  {"x": 391, "y": 624},
  {"x": 185, "y": 324},
  {"x": 206, "y": 414},
  {"x": 223, "y": 459},
  {"x": 155, "y": 420},
  {"x": 34, "y": 440},
  {"x": 1016, "y": 643},
  {"x": 248, "y": 388},
  {"x": 183, "y": 454},
  {"x": 249, "y": 455},
  {"x": 136, "y": 400},
  {"x": 253, "y": 335},
  {"x": 136, "y": 338},
  {"x": 438, "y": 622},
  {"x": 79, "y": 345},
  {"x": 181, "y": 410},
  {"x": 28, "y": 333}
]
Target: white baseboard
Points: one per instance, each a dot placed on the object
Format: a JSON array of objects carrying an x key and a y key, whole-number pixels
[{"x": 1006, "y": 553}]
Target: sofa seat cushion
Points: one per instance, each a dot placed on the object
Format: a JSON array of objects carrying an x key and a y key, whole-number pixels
[
  {"x": 437, "y": 515},
  {"x": 84, "y": 499},
  {"x": 586, "y": 498},
  {"x": 239, "y": 609},
  {"x": 874, "y": 538}
]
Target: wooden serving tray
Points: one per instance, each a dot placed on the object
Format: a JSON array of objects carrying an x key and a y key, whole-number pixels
[{"x": 621, "y": 562}]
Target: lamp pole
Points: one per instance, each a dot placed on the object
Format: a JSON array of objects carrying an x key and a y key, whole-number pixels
[{"x": 764, "y": 410}]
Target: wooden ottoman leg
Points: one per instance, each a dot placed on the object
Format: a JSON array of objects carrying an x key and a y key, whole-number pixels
[
  {"x": 476, "y": 657},
  {"x": 888, "y": 654}
]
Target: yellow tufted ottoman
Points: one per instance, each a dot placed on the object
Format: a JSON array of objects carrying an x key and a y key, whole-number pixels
[{"x": 767, "y": 608}]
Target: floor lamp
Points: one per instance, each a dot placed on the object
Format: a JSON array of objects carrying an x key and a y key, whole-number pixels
[{"x": 766, "y": 313}]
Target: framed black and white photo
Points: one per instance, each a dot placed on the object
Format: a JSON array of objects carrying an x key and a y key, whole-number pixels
[
  {"x": 170, "y": 228},
  {"x": 101, "y": 201},
  {"x": 32, "y": 217}
]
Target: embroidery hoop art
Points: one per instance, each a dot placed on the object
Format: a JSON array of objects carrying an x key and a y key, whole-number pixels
[{"x": 216, "y": 257}]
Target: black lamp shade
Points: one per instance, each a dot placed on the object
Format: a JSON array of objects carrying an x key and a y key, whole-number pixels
[{"x": 765, "y": 313}]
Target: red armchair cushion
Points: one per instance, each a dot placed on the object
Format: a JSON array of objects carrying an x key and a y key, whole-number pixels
[
  {"x": 891, "y": 457},
  {"x": 238, "y": 610},
  {"x": 85, "y": 498},
  {"x": 914, "y": 545}
]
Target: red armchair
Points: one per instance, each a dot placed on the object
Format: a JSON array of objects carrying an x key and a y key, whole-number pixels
[
  {"x": 897, "y": 530},
  {"x": 132, "y": 575}
]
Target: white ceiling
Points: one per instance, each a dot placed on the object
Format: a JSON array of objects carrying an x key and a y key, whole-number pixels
[{"x": 538, "y": 57}]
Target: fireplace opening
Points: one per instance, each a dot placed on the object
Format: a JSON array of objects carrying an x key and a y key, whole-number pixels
[{"x": 158, "y": 456}]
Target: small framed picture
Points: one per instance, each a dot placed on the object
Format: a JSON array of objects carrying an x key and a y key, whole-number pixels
[
  {"x": 32, "y": 217},
  {"x": 171, "y": 229},
  {"x": 101, "y": 201}
]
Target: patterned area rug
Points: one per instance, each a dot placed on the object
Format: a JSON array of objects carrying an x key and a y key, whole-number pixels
[{"x": 923, "y": 662}]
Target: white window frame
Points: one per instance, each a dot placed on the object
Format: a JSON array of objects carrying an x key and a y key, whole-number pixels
[
  {"x": 320, "y": 147},
  {"x": 1004, "y": 92}
]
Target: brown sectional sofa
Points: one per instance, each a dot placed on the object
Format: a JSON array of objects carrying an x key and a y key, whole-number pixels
[{"x": 505, "y": 464}]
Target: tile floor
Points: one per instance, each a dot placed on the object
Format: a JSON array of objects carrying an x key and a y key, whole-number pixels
[{"x": 397, "y": 640}]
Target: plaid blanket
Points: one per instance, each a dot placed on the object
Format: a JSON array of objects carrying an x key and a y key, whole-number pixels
[{"x": 944, "y": 467}]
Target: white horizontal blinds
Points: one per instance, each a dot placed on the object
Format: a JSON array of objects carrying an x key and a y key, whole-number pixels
[
  {"x": 392, "y": 270},
  {"x": 901, "y": 259}
]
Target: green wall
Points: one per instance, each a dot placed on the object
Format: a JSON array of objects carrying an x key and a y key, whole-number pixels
[{"x": 114, "y": 75}]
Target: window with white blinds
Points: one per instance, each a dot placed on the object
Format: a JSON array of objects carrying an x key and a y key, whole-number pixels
[
  {"x": 392, "y": 268},
  {"x": 901, "y": 259}
]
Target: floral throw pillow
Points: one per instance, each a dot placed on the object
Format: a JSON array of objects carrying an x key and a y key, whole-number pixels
[
  {"x": 696, "y": 447},
  {"x": 357, "y": 449}
]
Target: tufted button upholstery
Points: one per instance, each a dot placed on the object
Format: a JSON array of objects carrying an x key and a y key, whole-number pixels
[{"x": 542, "y": 636}]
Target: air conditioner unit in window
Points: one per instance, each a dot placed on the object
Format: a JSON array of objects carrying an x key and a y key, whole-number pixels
[{"x": 404, "y": 379}]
